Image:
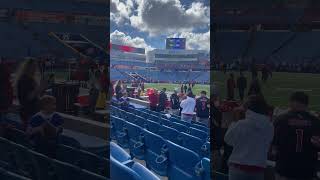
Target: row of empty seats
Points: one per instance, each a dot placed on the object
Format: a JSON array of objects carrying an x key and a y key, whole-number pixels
[
  {"x": 69, "y": 150},
  {"x": 123, "y": 167},
  {"x": 28, "y": 163},
  {"x": 163, "y": 148}
]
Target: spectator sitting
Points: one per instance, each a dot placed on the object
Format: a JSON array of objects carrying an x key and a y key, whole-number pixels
[
  {"x": 124, "y": 101},
  {"x": 45, "y": 126}
]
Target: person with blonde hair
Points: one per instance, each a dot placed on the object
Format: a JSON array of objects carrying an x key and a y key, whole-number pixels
[
  {"x": 45, "y": 126},
  {"x": 29, "y": 88}
]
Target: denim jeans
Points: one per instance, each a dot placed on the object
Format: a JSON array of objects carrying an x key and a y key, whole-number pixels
[{"x": 237, "y": 174}]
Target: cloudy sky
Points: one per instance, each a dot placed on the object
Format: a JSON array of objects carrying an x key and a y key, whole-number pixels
[{"x": 147, "y": 23}]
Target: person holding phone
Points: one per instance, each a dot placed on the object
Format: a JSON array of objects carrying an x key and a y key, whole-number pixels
[{"x": 296, "y": 141}]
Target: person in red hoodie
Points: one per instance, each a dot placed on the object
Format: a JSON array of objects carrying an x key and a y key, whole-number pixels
[
  {"x": 154, "y": 100},
  {"x": 6, "y": 95}
]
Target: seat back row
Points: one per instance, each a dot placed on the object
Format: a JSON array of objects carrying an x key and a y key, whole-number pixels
[
  {"x": 127, "y": 132},
  {"x": 26, "y": 162}
]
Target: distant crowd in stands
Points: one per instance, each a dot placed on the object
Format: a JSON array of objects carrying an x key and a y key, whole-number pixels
[
  {"x": 305, "y": 67},
  {"x": 184, "y": 104}
]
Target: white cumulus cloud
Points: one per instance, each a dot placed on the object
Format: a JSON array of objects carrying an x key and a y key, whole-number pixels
[
  {"x": 169, "y": 16},
  {"x": 118, "y": 37},
  {"x": 199, "y": 41}
]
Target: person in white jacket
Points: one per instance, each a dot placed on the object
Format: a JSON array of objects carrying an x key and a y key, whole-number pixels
[
  {"x": 251, "y": 139},
  {"x": 188, "y": 104}
]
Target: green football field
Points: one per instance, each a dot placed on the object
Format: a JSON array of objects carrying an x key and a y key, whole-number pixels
[
  {"x": 170, "y": 87},
  {"x": 278, "y": 89}
]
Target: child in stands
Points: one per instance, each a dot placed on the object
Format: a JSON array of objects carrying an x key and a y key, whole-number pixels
[
  {"x": 124, "y": 101},
  {"x": 45, "y": 126}
]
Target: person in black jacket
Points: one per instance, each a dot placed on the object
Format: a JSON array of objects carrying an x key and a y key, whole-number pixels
[
  {"x": 185, "y": 88},
  {"x": 254, "y": 87},
  {"x": 296, "y": 141},
  {"x": 202, "y": 108},
  {"x": 175, "y": 103},
  {"x": 241, "y": 85},
  {"x": 162, "y": 100}
]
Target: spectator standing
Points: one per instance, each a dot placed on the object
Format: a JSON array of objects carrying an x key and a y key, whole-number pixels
[
  {"x": 175, "y": 103},
  {"x": 29, "y": 90},
  {"x": 188, "y": 104},
  {"x": 251, "y": 139},
  {"x": 118, "y": 89},
  {"x": 242, "y": 85},
  {"x": 153, "y": 99},
  {"x": 254, "y": 87},
  {"x": 230, "y": 87},
  {"x": 202, "y": 108},
  {"x": 185, "y": 89},
  {"x": 296, "y": 141},
  {"x": 162, "y": 100}
]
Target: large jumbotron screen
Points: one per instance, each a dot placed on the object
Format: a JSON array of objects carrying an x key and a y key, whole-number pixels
[{"x": 176, "y": 43}]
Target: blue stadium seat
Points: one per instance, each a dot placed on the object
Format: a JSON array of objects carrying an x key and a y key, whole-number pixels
[
  {"x": 136, "y": 145},
  {"x": 69, "y": 141},
  {"x": 191, "y": 142},
  {"x": 113, "y": 130},
  {"x": 67, "y": 154},
  {"x": 7, "y": 175},
  {"x": 118, "y": 153},
  {"x": 182, "y": 162},
  {"x": 165, "y": 122},
  {"x": 200, "y": 126},
  {"x": 63, "y": 170},
  {"x": 122, "y": 137},
  {"x": 130, "y": 117},
  {"x": 87, "y": 175},
  {"x": 205, "y": 150},
  {"x": 43, "y": 166},
  {"x": 142, "y": 171},
  {"x": 92, "y": 162},
  {"x": 23, "y": 160},
  {"x": 152, "y": 126},
  {"x": 121, "y": 171},
  {"x": 220, "y": 176},
  {"x": 140, "y": 121},
  {"x": 156, "y": 153},
  {"x": 18, "y": 136},
  {"x": 198, "y": 133},
  {"x": 154, "y": 118},
  {"x": 6, "y": 154},
  {"x": 170, "y": 134},
  {"x": 203, "y": 169},
  {"x": 180, "y": 127}
]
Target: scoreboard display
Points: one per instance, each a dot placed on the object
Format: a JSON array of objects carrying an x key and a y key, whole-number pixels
[{"x": 176, "y": 43}]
